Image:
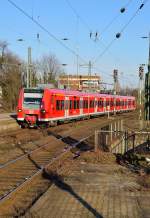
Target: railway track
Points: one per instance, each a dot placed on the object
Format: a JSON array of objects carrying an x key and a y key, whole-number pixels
[{"x": 16, "y": 173}]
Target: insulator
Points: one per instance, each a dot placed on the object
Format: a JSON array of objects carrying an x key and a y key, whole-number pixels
[
  {"x": 141, "y": 6},
  {"x": 118, "y": 35},
  {"x": 122, "y": 10}
]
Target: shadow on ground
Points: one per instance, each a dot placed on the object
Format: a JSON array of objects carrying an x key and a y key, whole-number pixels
[{"x": 58, "y": 182}]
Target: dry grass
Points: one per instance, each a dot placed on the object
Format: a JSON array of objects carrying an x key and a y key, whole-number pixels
[
  {"x": 98, "y": 157},
  {"x": 144, "y": 181}
]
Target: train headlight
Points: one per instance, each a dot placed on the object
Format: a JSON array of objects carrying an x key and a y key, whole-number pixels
[
  {"x": 19, "y": 110},
  {"x": 43, "y": 111}
]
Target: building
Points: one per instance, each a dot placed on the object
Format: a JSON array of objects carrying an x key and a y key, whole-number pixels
[{"x": 81, "y": 82}]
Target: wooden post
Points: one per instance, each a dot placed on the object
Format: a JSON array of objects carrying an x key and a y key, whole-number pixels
[
  {"x": 111, "y": 132},
  {"x": 121, "y": 125},
  {"x": 133, "y": 142},
  {"x": 118, "y": 127},
  {"x": 115, "y": 129}
]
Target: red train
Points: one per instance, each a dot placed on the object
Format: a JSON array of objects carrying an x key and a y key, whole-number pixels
[{"x": 49, "y": 106}]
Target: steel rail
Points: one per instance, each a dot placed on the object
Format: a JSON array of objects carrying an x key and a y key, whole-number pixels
[
  {"x": 36, "y": 149},
  {"x": 7, "y": 195},
  {"x": 55, "y": 158}
]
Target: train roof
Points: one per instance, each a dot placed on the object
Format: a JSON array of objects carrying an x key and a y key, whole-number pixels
[
  {"x": 78, "y": 93},
  {"x": 74, "y": 93}
]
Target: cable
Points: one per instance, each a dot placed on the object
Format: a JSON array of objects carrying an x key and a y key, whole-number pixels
[
  {"x": 77, "y": 14},
  {"x": 104, "y": 51},
  {"x": 44, "y": 29},
  {"x": 122, "y": 10},
  {"x": 105, "y": 28},
  {"x": 133, "y": 16},
  {"x": 118, "y": 35}
]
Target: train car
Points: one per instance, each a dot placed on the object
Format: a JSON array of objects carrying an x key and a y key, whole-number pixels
[{"x": 47, "y": 107}]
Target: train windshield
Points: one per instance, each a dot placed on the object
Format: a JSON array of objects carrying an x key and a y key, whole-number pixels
[
  {"x": 32, "y": 98},
  {"x": 32, "y": 101}
]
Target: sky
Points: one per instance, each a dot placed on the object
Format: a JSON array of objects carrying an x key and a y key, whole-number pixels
[{"x": 75, "y": 20}]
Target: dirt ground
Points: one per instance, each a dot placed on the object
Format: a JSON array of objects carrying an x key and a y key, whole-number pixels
[
  {"x": 96, "y": 187},
  {"x": 100, "y": 189}
]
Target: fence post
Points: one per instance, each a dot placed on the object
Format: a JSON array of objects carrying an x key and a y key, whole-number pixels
[
  {"x": 115, "y": 129},
  {"x": 126, "y": 141},
  {"x": 121, "y": 125},
  {"x": 118, "y": 127},
  {"x": 96, "y": 140},
  {"x": 111, "y": 132},
  {"x": 133, "y": 142}
]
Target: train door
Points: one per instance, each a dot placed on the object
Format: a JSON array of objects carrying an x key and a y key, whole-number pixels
[
  {"x": 85, "y": 105},
  {"x": 96, "y": 103},
  {"x": 66, "y": 106},
  {"x": 91, "y": 105},
  {"x": 57, "y": 106},
  {"x": 81, "y": 106},
  {"x": 104, "y": 104}
]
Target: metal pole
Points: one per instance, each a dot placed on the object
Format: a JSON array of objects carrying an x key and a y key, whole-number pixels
[
  {"x": 89, "y": 75},
  {"x": 29, "y": 68},
  {"x": 78, "y": 80},
  {"x": 111, "y": 129},
  {"x": 96, "y": 140},
  {"x": 147, "y": 88},
  {"x": 68, "y": 81}
]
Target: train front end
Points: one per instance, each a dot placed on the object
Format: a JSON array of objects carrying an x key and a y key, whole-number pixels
[{"x": 29, "y": 107}]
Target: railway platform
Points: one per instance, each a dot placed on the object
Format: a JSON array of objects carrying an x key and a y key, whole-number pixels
[
  {"x": 94, "y": 190},
  {"x": 8, "y": 121}
]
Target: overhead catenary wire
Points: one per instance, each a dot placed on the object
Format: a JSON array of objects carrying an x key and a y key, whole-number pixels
[
  {"x": 45, "y": 29},
  {"x": 133, "y": 16},
  {"x": 87, "y": 26},
  {"x": 118, "y": 35},
  {"x": 122, "y": 10},
  {"x": 78, "y": 15}
]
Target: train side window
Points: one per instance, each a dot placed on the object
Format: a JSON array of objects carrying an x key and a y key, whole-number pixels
[
  {"x": 100, "y": 103},
  {"x": 71, "y": 104},
  {"x": 57, "y": 104},
  {"x": 111, "y": 103},
  {"x": 75, "y": 104},
  {"x": 62, "y": 105},
  {"x": 85, "y": 104},
  {"x": 91, "y": 104},
  {"x": 107, "y": 103}
]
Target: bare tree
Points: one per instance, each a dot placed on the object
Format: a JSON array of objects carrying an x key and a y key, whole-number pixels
[
  {"x": 10, "y": 78},
  {"x": 49, "y": 67}
]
